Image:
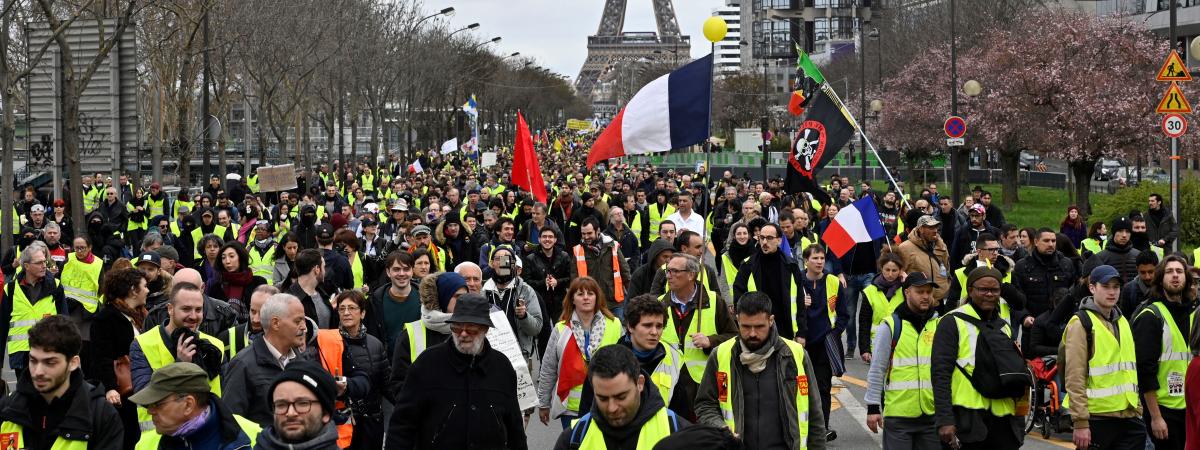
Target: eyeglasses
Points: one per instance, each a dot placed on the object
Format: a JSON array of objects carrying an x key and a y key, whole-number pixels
[
  {"x": 348, "y": 308},
  {"x": 671, "y": 271},
  {"x": 467, "y": 328},
  {"x": 161, "y": 403},
  {"x": 302, "y": 406},
  {"x": 988, "y": 291}
]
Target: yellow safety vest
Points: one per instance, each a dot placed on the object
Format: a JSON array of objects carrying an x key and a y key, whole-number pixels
[
  {"x": 91, "y": 198},
  {"x": 198, "y": 234},
  {"x": 1005, "y": 310},
  {"x": 252, "y": 183},
  {"x": 158, "y": 355},
  {"x": 262, "y": 264},
  {"x": 963, "y": 393},
  {"x": 356, "y": 271},
  {"x": 1092, "y": 245},
  {"x": 237, "y": 342},
  {"x": 654, "y": 430},
  {"x": 368, "y": 182},
  {"x": 178, "y": 203},
  {"x": 881, "y": 306},
  {"x": 657, "y": 217},
  {"x": 130, "y": 223},
  {"x": 156, "y": 207},
  {"x": 1173, "y": 361},
  {"x": 612, "y": 334},
  {"x": 666, "y": 374},
  {"x": 81, "y": 281},
  {"x": 704, "y": 321},
  {"x": 417, "y": 342},
  {"x": 150, "y": 442},
  {"x": 1112, "y": 369},
  {"x": 25, "y": 314},
  {"x": 908, "y": 388},
  {"x": 12, "y": 436},
  {"x": 831, "y": 290},
  {"x": 726, "y": 381}
]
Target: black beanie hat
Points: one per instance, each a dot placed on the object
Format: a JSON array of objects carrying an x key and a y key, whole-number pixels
[{"x": 312, "y": 376}]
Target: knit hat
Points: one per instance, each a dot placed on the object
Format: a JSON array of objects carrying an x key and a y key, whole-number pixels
[
  {"x": 313, "y": 377},
  {"x": 168, "y": 252},
  {"x": 1122, "y": 223},
  {"x": 447, "y": 284},
  {"x": 983, "y": 272}
]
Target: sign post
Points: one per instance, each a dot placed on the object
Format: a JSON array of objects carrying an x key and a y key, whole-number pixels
[
  {"x": 1173, "y": 103},
  {"x": 955, "y": 128}
]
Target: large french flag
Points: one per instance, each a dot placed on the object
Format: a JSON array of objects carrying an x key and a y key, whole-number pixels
[
  {"x": 857, "y": 222},
  {"x": 668, "y": 113}
]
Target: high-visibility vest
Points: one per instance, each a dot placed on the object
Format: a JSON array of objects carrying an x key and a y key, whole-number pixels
[
  {"x": 25, "y": 314},
  {"x": 1196, "y": 257},
  {"x": 882, "y": 307},
  {"x": 156, "y": 207},
  {"x": 704, "y": 321},
  {"x": 262, "y": 264},
  {"x": 908, "y": 385},
  {"x": 1173, "y": 360},
  {"x": 250, "y": 428},
  {"x": 728, "y": 269},
  {"x": 356, "y": 271},
  {"x": 368, "y": 182},
  {"x": 252, "y": 183},
  {"x": 13, "y": 436},
  {"x": 794, "y": 298},
  {"x": 198, "y": 234},
  {"x": 158, "y": 355},
  {"x": 653, "y": 430},
  {"x": 618, "y": 285},
  {"x": 1005, "y": 310},
  {"x": 1092, "y": 245},
  {"x": 417, "y": 339},
  {"x": 81, "y": 281},
  {"x": 1112, "y": 384},
  {"x": 726, "y": 381},
  {"x": 612, "y": 334},
  {"x": 963, "y": 393},
  {"x": 179, "y": 203},
  {"x": 635, "y": 226},
  {"x": 330, "y": 347},
  {"x": 91, "y": 198},
  {"x": 131, "y": 224},
  {"x": 666, "y": 373},
  {"x": 657, "y": 217},
  {"x": 237, "y": 342}
]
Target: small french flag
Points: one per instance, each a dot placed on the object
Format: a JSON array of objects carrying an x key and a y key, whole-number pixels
[
  {"x": 668, "y": 113},
  {"x": 856, "y": 223}
]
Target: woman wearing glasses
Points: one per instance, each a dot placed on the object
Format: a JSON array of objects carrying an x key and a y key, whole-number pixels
[{"x": 369, "y": 355}]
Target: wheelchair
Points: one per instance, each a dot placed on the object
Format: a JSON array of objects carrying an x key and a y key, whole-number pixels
[{"x": 1046, "y": 411}]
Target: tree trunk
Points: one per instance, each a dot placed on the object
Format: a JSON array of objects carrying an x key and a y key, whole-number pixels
[
  {"x": 1011, "y": 175},
  {"x": 1083, "y": 184},
  {"x": 8, "y": 135},
  {"x": 341, "y": 123},
  {"x": 376, "y": 125},
  {"x": 354, "y": 136},
  {"x": 70, "y": 129}
]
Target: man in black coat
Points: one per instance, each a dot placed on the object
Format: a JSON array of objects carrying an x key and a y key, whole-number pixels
[
  {"x": 1119, "y": 252},
  {"x": 459, "y": 394},
  {"x": 964, "y": 240},
  {"x": 1041, "y": 274}
]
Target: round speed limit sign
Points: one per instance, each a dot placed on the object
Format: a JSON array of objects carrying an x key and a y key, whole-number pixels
[{"x": 1174, "y": 125}]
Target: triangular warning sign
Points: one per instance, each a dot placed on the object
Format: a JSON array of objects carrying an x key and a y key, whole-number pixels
[
  {"x": 1173, "y": 69},
  {"x": 1173, "y": 101}
]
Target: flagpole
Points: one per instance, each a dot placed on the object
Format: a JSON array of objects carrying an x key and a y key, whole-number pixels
[{"x": 842, "y": 107}]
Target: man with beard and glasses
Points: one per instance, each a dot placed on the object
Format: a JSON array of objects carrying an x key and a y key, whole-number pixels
[
  {"x": 459, "y": 394},
  {"x": 758, "y": 385},
  {"x": 53, "y": 407},
  {"x": 302, "y": 402},
  {"x": 1161, "y": 329},
  {"x": 628, "y": 411}
]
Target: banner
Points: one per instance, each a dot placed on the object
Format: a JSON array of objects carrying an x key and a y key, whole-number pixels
[
  {"x": 449, "y": 146},
  {"x": 277, "y": 178},
  {"x": 579, "y": 125},
  {"x": 502, "y": 339}
]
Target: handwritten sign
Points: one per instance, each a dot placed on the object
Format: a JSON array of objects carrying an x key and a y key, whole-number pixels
[
  {"x": 502, "y": 339},
  {"x": 489, "y": 159},
  {"x": 277, "y": 178}
]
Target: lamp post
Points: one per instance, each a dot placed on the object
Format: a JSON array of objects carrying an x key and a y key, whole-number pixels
[
  {"x": 862, "y": 101},
  {"x": 494, "y": 40},
  {"x": 468, "y": 27},
  {"x": 874, "y": 35}
]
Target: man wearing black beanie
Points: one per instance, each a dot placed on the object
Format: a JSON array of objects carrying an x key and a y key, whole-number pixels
[{"x": 302, "y": 401}]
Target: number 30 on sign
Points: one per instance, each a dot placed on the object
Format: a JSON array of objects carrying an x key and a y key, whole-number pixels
[{"x": 1174, "y": 125}]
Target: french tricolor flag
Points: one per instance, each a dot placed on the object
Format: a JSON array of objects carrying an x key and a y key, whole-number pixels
[
  {"x": 856, "y": 223},
  {"x": 668, "y": 113}
]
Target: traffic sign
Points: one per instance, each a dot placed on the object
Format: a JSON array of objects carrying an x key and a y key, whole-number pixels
[
  {"x": 1173, "y": 101},
  {"x": 1174, "y": 125},
  {"x": 955, "y": 142},
  {"x": 1173, "y": 69},
  {"x": 955, "y": 127}
]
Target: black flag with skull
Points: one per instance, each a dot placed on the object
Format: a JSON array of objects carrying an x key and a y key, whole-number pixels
[{"x": 822, "y": 135}]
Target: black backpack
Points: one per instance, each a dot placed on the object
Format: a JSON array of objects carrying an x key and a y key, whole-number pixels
[{"x": 1000, "y": 368}]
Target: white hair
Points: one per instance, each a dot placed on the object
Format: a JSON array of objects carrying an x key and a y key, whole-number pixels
[
  {"x": 275, "y": 306},
  {"x": 459, "y": 269}
]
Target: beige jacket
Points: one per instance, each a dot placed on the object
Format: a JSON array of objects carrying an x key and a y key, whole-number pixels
[{"x": 1075, "y": 350}]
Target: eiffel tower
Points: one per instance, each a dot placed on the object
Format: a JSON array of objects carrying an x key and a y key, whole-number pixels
[{"x": 613, "y": 47}]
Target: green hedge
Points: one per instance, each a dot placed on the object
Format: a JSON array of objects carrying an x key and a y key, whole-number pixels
[{"x": 1134, "y": 197}]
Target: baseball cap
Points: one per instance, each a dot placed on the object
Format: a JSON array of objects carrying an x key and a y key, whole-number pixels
[
  {"x": 37, "y": 209},
  {"x": 421, "y": 229},
  {"x": 1102, "y": 274},
  {"x": 325, "y": 231},
  {"x": 978, "y": 209},
  {"x": 175, "y": 378},
  {"x": 149, "y": 257},
  {"x": 372, "y": 208},
  {"x": 928, "y": 221},
  {"x": 400, "y": 205},
  {"x": 919, "y": 279}
]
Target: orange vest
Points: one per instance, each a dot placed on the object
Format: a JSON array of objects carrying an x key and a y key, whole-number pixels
[
  {"x": 618, "y": 286},
  {"x": 331, "y": 347}
]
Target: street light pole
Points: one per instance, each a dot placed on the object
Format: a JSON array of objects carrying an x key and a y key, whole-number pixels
[
  {"x": 765, "y": 123},
  {"x": 862, "y": 100}
]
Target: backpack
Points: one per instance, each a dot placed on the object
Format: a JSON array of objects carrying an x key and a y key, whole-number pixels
[
  {"x": 1000, "y": 369},
  {"x": 1085, "y": 320}
]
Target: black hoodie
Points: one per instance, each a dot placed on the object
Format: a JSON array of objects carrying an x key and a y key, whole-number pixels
[{"x": 626, "y": 437}]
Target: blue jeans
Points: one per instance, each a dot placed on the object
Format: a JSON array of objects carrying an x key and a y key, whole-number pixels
[{"x": 847, "y": 308}]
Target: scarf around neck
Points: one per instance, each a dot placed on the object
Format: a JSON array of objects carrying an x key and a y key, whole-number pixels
[{"x": 757, "y": 360}]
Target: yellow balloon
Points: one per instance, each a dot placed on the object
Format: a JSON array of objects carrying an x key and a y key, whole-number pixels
[{"x": 715, "y": 29}]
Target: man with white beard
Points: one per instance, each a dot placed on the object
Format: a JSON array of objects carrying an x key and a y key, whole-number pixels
[{"x": 467, "y": 374}]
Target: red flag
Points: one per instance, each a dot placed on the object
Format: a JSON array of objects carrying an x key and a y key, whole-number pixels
[
  {"x": 526, "y": 172},
  {"x": 572, "y": 371}
]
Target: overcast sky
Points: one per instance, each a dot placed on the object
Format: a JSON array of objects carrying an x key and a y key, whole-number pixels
[{"x": 554, "y": 32}]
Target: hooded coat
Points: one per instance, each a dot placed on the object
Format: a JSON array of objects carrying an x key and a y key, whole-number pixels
[
  {"x": 437, "y": 331},
  {"x": 932, "y": 258},
  {"x": 643, "y": 277}
]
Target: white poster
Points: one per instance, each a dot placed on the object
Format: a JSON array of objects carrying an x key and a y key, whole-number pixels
[
  {"x": 501, "y": 338},
  {"x": 489, "y": 159}
]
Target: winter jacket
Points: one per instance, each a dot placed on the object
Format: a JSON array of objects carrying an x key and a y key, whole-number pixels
[
  {"x": 401, "y": 354},
  {"x": 628, "y": 241},
  {"x": 1121, "y": 257},
  {"x": 964, "y": 243},
  {"x": 311, "y": 304},
  {"x": 643, "y": 277},
  {"x": 1161, "y": 224},
  {"x": 370, "y": 356},
  {"x": 115, "y": 214},
  {"x": 527, "y": 328},
  {"x": 452, "y": 400},
  {"x": 87, "y": 417},
  {"x": 221, "y": 432},
  {"x": 325, "y": 440},
  {"x": 600, "y": 267},
  {"x": 1133, "y": 294},
  {"x": 708, "y": 408},
  {"x": 215, "y": 289},
  {"x": 1039, "y": 276},
  {"x": 537, "y": 266},
  {"x": 625, "y": 437},
  {"x": 1076, "y": 351},
  {"x": 218, "y": 316},
  {"x": 930, "y": 258}
]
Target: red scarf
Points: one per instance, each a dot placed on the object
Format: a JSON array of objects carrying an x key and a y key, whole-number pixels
[{"x": 233, "y": 283}]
